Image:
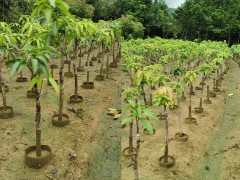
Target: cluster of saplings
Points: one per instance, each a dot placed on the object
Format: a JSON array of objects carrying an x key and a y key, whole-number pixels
[
  {"x": 161, "y": 71},
  {"x": 34, "y": 44}
]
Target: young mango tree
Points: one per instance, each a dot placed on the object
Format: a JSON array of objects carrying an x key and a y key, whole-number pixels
[
  {"x": 36, "y": 59},
  {"x": 163, "y": 96},
  {"x": 178, "y": 71},
  {"x": 141, "y": 114},
  {"x": 143, "y": 77},
  {"x": 131, "y": 94},
  {"x": 56, "y": 16},
  {"x": 162, "y": 81},
  {"x": 74, "y": 32},
  {"x": 205, "y": 70},
  {"x": 179, "y": 87},
  {"x": 189, "y": 78},
  {"x": 7, "y": 41}
]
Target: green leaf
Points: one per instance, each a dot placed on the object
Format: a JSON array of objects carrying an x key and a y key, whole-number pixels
[
  {"x": 150, "y": 114},
  {"x": 34, "y": 66},
  {"x": 33, "y": 82},
  {"x": 21, "y": 66},
  {"x": 39, "y": 82},
  {"x": 55, "y": 27},
  {"x": 14, "y": 68},
  {"x": 10, "y": 63},
  {"x": 54, "y": 84},
  {"x": 127, "y": 119},
  {"x": 52, "y": 3},
  {"x": 146, "y": 123},
  {"x": 39, "y": 2},
  {"x": 53, "y": 98},
  {"x": 66, "y": 5},
  {"x": 48, "y": 14},
  {"x": 43, "y": 59},
  {"x": 44, "y": 69},
  {"x": 132, "y": 103}
]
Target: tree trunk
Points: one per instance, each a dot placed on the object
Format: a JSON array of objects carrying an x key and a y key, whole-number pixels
[
  {"x": 166, "y": 136},
  {"x": 80, "y": 58},
  {"x": 61, "y": 89},
  {"x": 101, "y": 70},
  {"x": 229, "y": 38},
  {"x": 130, "y": 149},
  {"x": 75, "y": 70},
  {"x": 135, "y": 155},
  {"x": 3, "y": 90},
  {"x": 38, "y": 118},
  {"x": 190, "y": 103},
  {"x": 214, "y": 83},
  {"x": 107, "y": 67},
  {"x": 113, "y": 48},
  {"x": 208, "y": 92},
  {"x": 88, "y": 77},
  {"x": 183, "y": 94},
  {"x": 201, "y": 93},
  {"x": 150, "y": 100},
  {"x": 179, "y": 117},
  {"x": 69, "y": 66},
  {"x": 144, "y": 95}
]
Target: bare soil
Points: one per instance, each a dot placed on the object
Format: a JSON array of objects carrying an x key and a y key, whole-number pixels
[
  {"x": 88, "y": 148},
  {"x": 212, "y": 149}
]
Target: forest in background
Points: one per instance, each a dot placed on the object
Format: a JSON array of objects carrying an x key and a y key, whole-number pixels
[{"x": 194, "y": 20}]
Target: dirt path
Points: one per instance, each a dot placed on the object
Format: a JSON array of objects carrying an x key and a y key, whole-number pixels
[{"x": 216, "y": 164}]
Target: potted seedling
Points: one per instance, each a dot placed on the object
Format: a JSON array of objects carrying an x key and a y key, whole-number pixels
[
  {"x": 57, "y": 18},
  {"x": 80, "y": 68},
  {"x": 113, "y": 64},
  {"x": 142, "y": 77},
  {"x": 75, "y": 98},
  {"x": 88, "y": 84},
  {"x": 131, "y": 94},
  {"x": 93, "y": 58},
  {"x": 161, "y": 80},
  {"x": 205, "y": 70},
  {"x": 100, "y": 77},
  {"x": 164, "y": 97},
  {"x": 179, "y": 88},
  {"x": 69, "y": 73},
  {"x": 36, "y": 59},
  {"x": 5, "y": 111},
  {"x": 177, "y": 71},
  {"x": 7, "y": 41},
  {"x": 21, "y": 78},
  {"x": 189, "y": 77},
  {"x": 53, "y": 65},
  {"x": 140, "y": 114}
]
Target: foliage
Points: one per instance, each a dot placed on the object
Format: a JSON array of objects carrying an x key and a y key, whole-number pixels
[
  {"x": 131, "y": 28},
  {"x": 142, "y": 113},
  {"x": 163, "y": 96}
]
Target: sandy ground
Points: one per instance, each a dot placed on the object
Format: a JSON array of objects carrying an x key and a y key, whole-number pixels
[
  {"x": 94, "y": 140},
  {"x": 212, "y": 150}
]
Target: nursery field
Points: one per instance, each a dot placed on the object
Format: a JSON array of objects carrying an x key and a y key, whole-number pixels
[
  {"x": 213, "y": 141},
  {"x": 210, "y": 140},
  {"x": 78, "y": 101},
  {"x": 87, "y": 148}
]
